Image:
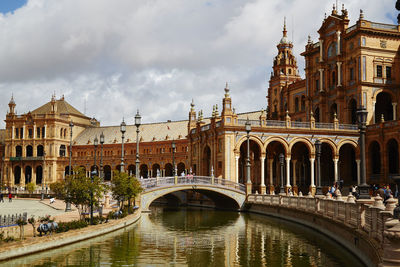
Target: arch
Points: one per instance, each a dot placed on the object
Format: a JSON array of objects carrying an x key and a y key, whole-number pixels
[
  {"x": 307, "y": 143},
  {"x": 317, "y": 115},
  {"x": 333, "y": 112},
  {"x": 278, "y": 139},
  {"x": 331, "y": 144},
  {"x": 39, "y": 175},
  {"x": 353, "y": 143},
  {"x": 206, "y": 161},
  {"x": 94, "y": 168},
  {"x": 29, "y": 151},
  {"x": 28, "y": 174},
  {"x": 300, "y": 165},
  {"x": 383, "y": 107},
  {"x": 327, "y": 165},
  {"x": 40, "y": 151},
  {"x": 62, "y": 151},
  {"x": 252, "y": 138},
  {"x": 107, "y": 173},
  {"x": 392, "y": 149},
  {"x": 17, "y": 175},
  {"x": 168, "y": 170},
  {"x": 144, "y": 171},
  {"x": 181, "y": 168},
  {"x": 132, "y": 170},
  {"x": 352, "y": 111},
  {"x": 156, "y": 169},
  {"x": 18, "y": 151},
  {"x": 255, "y": 164},
  {"x": 347, "y": 164},
  {"x": 374, "y": 152}
]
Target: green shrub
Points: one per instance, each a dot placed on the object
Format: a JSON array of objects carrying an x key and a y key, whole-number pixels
[{"x": 66, "y": 226}]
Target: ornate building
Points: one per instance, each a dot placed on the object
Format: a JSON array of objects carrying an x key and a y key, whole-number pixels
[{"x": 347, "y": 68}]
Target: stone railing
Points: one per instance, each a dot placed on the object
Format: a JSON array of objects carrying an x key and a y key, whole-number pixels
[
  {"x": 151, "y": 183},
  {"x": 11, "y": 220},
  {"x": 301, "y": 125},
  {"x": 369, "y": 219}
]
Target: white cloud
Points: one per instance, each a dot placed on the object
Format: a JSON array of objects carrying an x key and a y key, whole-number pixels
[{"x": 156, "y": 55}]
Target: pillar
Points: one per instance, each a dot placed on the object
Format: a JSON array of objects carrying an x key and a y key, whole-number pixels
[
  {"x": 237, "y": 168},
  {"x": 339, "y": 48},
  {"x": 295, "y": 189},
  {"x": 335, "y": 168},
  {"x": 358, "y": 171},
  {"x": 321, "y": 80},
  {"x": 373, "y": 112},
  {"x": 288, "y": 173},
  {"x": 321, "y": 42},
  {"x": 394, "y": 110},
  {"x": 262, "y": 175},
  {"x": 271, "y": 173},
  {"x": 312, "y": 186},
  {"x": 339, "y": 76}
]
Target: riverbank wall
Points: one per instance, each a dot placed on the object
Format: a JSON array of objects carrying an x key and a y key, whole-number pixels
[
  {"x": 22, "y": 248},
  {"x": 365, "y": 227}
]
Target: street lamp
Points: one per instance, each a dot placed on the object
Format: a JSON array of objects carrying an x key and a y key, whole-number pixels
[
  {"x": 93, "y": 173},
  {"x": 123, "y": 130},
  {"x": 173, "y": 157},
  {"x": 318, "y": 146},
  {"x": 281, "y": 161},
  {"x": 362, "y": 126},
  {"x": 101, "y": 156},
  {"x": 44, "y": 162},
  {"x": 248, "y": 129},
  {"x": 71, "y": 125},
  {"x": 137, "y": 124}
]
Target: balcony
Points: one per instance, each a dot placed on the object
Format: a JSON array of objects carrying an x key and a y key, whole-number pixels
[{"x": 26, "y": 158}]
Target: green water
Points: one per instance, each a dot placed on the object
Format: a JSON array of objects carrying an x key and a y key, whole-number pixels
[{"x": 193, "y": 237}]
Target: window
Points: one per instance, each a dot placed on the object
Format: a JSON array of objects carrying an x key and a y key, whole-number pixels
[
  {"x": 333, "y": 79},
  {"x": 351, "y": 74},
  {"x": 303, "y": 103},
  {"x": 43, "y": 132},
  {"x": 379, "y": 71},
  {"x": 332, "y": 50},
  {"x": 38, "y": 132},
  {"x": 363, "y": 41},
  {"x": 388, "y": 72},
  {"x": 296, "y": 104},
  {"x": 30, "y": 133},
  {"x": 317, "y": 84},
  {"x": 62, "y": 151},
  {"x": 16, "y": 133},
  {"x": 21, "y": 132}
]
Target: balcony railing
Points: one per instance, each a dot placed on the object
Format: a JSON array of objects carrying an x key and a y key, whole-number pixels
[{"x": 26, "y": 158}]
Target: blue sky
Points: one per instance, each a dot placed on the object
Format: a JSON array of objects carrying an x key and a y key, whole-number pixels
[{"x": 10, "y": 5}]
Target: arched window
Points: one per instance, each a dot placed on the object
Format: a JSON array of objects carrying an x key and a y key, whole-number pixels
[
  {"x": 18, "y": 151},
  {"x": 62, "y": 151},
  {"x": 29, "y": 151},
  {"x": 383, "y": 106},
  {"x": 303, "y": 103},
  {"x": 61, "y": 133},
  {"x": 40, "y": 151},
  {"x": 332, "y": 49},
  {"x": 296, "y": 104}
]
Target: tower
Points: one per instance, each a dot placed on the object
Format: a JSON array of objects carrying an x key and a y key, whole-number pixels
[
  {"x": 284, "y": 72},
  {"x": 11, "y": 106}
]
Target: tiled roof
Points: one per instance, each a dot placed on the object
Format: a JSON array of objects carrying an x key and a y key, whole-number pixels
[
  {"x": 62, "y": 108},
  {"x": 254, "y": 115},
  {"x": 148, "y": 133}
]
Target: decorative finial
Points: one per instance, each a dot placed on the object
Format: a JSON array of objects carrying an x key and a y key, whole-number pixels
[
  {"x": 334, "y": 9},
  {"x": 213, "y": 112},
  {"x": 309, "y": 42},
  {"x": 192, "y": 105},
  {"x": 12, "y": 99},
  {"x": 284, "y": 27},
  {"x": 216, "y": 110},
  {"x": 361, "y": 14},
  {"x": 325, "y": 16},
  {"x": 234, "y": 110},
  {"x": 226, "y": 90}
]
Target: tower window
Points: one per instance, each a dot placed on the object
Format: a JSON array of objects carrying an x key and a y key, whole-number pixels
[
  {"x": 290, "y": 71},
  {"x": 379, "y": 71}
]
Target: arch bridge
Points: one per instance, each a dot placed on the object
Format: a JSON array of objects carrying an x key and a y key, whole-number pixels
[{"x": 225, "y": 194}]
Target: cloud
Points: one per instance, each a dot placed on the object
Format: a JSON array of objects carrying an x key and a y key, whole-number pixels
[{"x": 115, "y": 57}]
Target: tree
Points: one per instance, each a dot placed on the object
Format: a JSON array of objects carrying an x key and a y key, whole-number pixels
[
  {"x": 124, "y": 187},
  {"x": 78, "y": 189},
  {"x": 59, "y": 189},
  {"x": 30, "y": 187},
  {"x": 32, "y": 222}
]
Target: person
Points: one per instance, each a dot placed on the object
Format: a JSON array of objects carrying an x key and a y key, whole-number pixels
[
  {"x": 387, "y": 193},
  {"x": 1, "y": 197},
  {"x": 9, "y": 197},
  {"x": 183, "y": 174},
  {"x": 52, "y": 200},
  {"x": 333, "y": 190}
]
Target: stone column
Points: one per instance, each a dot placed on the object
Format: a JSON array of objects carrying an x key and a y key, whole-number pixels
[
  {"x": 394, "y": 110},
  {"x": 335, "y": 168},
  {"x": 271, "y": 178},
  {"x": 321, "y": 79},
  {"x": 237, "y": 168},
  {"x": 262, "y": 175},
  {"x": 358, "y": 171},
  {"x": 339, "y": 71},
  {"x": 295, "y": 189},
  {"x": 288, "y": 173},
  {"x": 34, "y": 131},
  {"x": 321, "y": 42},
  {"x": 12, "y": 132},
  {"x": 373, "y": 111},
  {"x": 312, "y": 186},
  {"x": 338, "y": 42}
]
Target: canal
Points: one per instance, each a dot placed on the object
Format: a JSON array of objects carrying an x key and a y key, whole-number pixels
[{"x": 200, "y": 237}]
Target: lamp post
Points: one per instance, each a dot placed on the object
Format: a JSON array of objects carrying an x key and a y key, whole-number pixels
[
  {"x": 93, "y": 173},
  {"x": 318, "y": 146},
  {"x": 248, "y": 182},
  {"x": 362, "y": 126},
  {"x": 123, "y": 130},
  {"x": 137, "y": 124},
  {"x": 44, "y": 162},
  {"x": 281, "y": 162},
  {"x": 71, "y": 125},
  {"x": 173, "y": 157},
  {"x": 101, "y": 156}
]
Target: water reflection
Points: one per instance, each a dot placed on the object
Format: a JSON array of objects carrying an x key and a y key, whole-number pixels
[{"x": 188, "y": 237}]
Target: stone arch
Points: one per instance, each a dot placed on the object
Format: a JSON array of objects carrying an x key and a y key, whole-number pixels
[
  {"x": 18, "y": 151},
  {"x": 392, "y": 156},
  {"x": 107, "y": 173},
  {"x": 327, "y": 166},
  {"x": 244, "y": 139},
  {"x": 39, "y": 175},
  {"x": 29, "y": 151},
  {"x": 206, "y": 161},
  {"x": 28, "y": 174},
  {"x": 144, "y": 171},
  {"x": 17, "y": 175},
  {"x": 307, "y": 142},
  {"x": 353, "y": 143},
  {"x": 347, "y": 164},
  {"x": 383, "y": 106},
  {"x": 300, "y": 165},
  {"x": 278, "y": 139},
  {"x": 331, "y": 144},
  {"x": 181, "y": 168},
  {"x": 255, "y": 164},
  {"x": 132, "y": 169},
  {"x": 169, "y": 170},
  {"x": 155, "y": 168},
  {"x": 39, "y": 151}
]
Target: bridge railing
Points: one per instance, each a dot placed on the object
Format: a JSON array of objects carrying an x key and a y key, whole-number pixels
[{"x": 195, "y": 180}]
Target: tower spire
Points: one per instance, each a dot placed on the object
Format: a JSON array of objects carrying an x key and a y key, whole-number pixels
[{"x": 284, "y": 27}]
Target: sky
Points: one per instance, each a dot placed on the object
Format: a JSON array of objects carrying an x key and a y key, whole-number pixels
[{"x": 110, "y": 58}]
